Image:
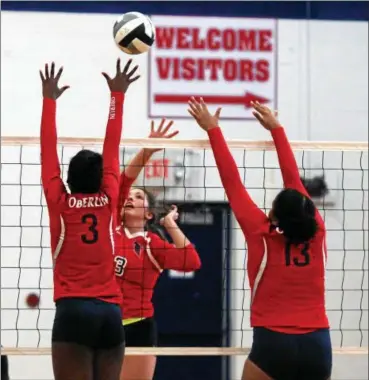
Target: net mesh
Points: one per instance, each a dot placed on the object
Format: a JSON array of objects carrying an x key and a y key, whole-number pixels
[{"x": 337, "y": 179}]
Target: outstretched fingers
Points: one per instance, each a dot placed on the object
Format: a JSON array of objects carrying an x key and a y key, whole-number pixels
[
  {"x": 217, "y": 112},
  {"x": 134, "y": 79},
  {"x": 118, "y": 66},
  {"x": 63, "y": 89},
  {"x": 192, "y": 113},
  {"x": 170, "y": 135},
  {"x": 203, "y": 104},
  {"x": 166, "y": 129},
  {"x": 106, "y": 76},
  {"x": 161, "y": 125},
  {"x": 129, "y": 75},
  {"x": 59, "y": 73},
  {"x": 126, "y": 67},
  {"x": 52, "y": 72},
  {"x": 195, "y": 106},
  {"x": 47, "y": 76},
  {"x": 260, "y": 108},
  {"x": 258, "y": 116},
  {"x": 42, "y": 76}
]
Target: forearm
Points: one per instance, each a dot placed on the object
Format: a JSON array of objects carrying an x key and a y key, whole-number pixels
[
  {"x": 288, "y": 165},
  {"x": 138, "y": 162},
  {"x": 179, "y": 238},
  {"x": 48, "y": 140},
  {"x": 113, "y": 131},
  {"x": 287, "y": 161},
  {"x": 247, "y": 213}
]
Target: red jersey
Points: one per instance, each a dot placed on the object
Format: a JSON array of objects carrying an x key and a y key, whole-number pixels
[
  {"x": 140, "y": 259},
  {"x": 287, "y": 282},
  {"x": 82, "y": 225}
]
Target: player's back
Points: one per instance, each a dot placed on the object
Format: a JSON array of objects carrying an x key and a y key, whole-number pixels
[
  {"x": 84, "y": 249},
  {"x": 289, "y": 289}
]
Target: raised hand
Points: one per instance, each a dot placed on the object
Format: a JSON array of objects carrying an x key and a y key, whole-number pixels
[
  {"x": 50, "y": 86},
  {"x": 266, "y": 117},
  {"x": 170, "y": 219},
  {"x": 162, "y": 132},
  {"x": 122, "y": 79},
  {"x": 199, "y": 111}
]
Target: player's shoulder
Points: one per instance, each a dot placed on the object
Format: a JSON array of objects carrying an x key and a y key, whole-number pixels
[{"x": 154, "y": 238}]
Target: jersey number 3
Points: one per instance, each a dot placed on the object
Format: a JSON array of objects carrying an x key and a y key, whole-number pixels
[
  {"x": 93, "y": 235},
  {"x": 303, "y": 258}
]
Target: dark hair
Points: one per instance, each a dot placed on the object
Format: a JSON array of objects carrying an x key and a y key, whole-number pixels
[
  {"x": 295, "y": 216},
  {"x": 85, "y": 172},
  {"x": 158, "y": 212}
]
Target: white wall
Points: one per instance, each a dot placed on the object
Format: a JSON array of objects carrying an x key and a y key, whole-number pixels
[{"x": 322, "y": 95}]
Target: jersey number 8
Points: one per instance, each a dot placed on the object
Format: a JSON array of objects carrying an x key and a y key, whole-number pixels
[
  {"x": 93, "y": 235},
  {"x": 120, "y": 264}
]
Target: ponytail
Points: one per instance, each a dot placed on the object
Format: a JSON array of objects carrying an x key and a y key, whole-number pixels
[
  {"x": 298, "y": 231},
  {"x": 154, "y": 227}
]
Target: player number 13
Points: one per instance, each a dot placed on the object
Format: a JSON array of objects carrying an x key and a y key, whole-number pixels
[{"x": 302, "y": 259}]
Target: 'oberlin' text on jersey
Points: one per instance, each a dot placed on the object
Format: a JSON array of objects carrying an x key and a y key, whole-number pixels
[{"x": 88, "y": 202}]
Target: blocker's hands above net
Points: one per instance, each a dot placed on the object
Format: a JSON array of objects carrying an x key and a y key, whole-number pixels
[
  {"x": 50, "y": 86},
  {"x": 162, "y": 132},
  {"x": 122, "y": 79},
  {"x": 199, "y": 111},
  {"x": 266, "y": 117}
]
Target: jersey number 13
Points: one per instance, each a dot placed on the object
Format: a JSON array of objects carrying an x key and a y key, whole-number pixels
[{"x": 302, "y": 259}]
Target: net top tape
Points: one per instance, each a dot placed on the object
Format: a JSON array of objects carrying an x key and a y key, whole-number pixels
[{"x": 195, "y": 144}]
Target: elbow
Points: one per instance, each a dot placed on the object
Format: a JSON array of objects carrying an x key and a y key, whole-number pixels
[
  {"x": 192, "y": 266},
  {"x": 195, "y": 262},
  {"x": 192, "y": 261},
  {"x": 197, "y": 265}
]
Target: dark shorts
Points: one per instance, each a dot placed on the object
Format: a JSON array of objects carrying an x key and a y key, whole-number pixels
[
  {"x": 89, "y": 322},
  {"x": 141, "y": 334},
  {"x": 4, "y": 368},
  {"x": 292, "y": 356}
]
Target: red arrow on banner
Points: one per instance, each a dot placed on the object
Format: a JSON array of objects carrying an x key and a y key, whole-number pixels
[{"x": 244, "y": 100}]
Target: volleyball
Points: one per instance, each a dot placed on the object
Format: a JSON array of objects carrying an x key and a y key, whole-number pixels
[{"x": 134, "y": 33}]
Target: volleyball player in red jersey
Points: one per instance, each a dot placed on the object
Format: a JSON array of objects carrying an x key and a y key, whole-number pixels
[
  {"x": 141, "y": 256},
  {"x": 286, "y": 262},
  {"x": 87, "y": 337}
]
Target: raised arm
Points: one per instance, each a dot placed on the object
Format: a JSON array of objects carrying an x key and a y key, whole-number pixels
[
  {"x": 287, "y": 161},
  {"x": 139, "y": 161},
  {"x": 248, "y": 215},
  {"x": 134, "y": 168},
  {"x": 118, "y": 87},
  {"x": 52, "y": 183},
  {"x": 111, "y": 145}
]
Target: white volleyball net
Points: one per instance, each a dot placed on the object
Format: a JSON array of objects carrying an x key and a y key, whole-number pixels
[{"x": 336, "y": 175}]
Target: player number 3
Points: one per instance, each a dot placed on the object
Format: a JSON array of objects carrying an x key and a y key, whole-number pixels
[{"x": 93, "y": 235}]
